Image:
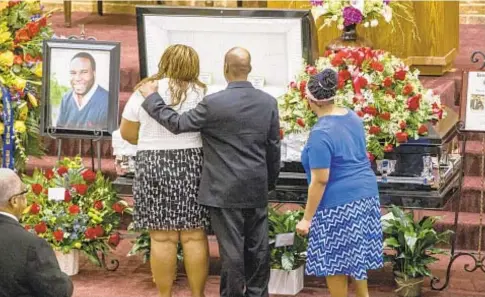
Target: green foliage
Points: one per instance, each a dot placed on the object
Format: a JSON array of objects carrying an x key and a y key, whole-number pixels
[
  {"x": 287, "y": 257},
  {"x": 413, "y": 243},
  {"x": 141, "y": 246},
  {"x": 56, "y": 92}
]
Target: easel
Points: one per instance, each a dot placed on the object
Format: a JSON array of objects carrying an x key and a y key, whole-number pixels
[
  {"x": 97, "y": 136},
  {"x": 477, "y": 257}
]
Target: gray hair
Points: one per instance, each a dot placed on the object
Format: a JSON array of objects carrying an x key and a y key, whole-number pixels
[{"x": 10, "y": 185}]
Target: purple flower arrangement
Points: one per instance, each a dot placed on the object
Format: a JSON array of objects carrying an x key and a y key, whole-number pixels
[{"x": 351, "y": 16}]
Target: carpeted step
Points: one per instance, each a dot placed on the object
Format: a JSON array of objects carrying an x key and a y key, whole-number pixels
[
  {"x": 470, "y": 199},
  {"x": 73, "y": 147}
]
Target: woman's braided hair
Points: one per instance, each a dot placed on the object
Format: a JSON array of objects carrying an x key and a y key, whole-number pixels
[{"x": 323, "y": 86}]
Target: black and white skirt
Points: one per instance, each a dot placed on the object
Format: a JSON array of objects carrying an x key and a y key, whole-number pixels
[{"x": 166, "y": 188}]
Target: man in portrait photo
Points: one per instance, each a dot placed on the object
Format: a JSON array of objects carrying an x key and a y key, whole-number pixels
[
  {"x": 85, "y": 106},
  {"x": 477, "y": 102}
]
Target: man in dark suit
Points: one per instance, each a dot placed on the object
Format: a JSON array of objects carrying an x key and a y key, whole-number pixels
[
  {"x": 28, "y": 265},
  {"x": 241, "y": 142}
]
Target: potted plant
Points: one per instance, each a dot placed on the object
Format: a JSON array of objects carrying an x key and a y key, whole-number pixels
[
  {"x": 287, "y": 262},
  {"x": 141, "y": 246},
  {"x": 413, "y": 246},
  {"x": 84, "y": 217}
]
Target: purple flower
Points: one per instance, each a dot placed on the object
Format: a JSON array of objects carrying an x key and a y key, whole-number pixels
[
  {"x": 387, "y": 2},
  {"x": 351, "y": 16},
  {"x": 316, "y": 2}
]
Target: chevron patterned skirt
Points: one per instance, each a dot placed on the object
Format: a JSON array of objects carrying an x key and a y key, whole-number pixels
[{"x": 346, "y": 240}]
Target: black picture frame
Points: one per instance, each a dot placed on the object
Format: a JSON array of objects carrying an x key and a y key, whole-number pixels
[
  {"x": 114, "y": 49},
  {"x": 308, "y": 28}
]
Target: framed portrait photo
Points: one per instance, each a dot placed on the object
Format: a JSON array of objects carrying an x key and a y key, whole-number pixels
[
  {"x": 80, "y": 91},
  {"x": 472, "y": 106}
]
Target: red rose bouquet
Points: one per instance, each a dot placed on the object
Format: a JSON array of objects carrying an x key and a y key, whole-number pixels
[
  {"x": 379, "y": 87},
  {"x": 87, "y": 216}
]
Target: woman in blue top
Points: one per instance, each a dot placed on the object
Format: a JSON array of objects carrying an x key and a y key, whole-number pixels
[{"x": 342, "y": 214}]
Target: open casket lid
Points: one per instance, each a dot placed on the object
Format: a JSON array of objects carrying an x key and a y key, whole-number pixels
[{"x": 278, "y": 40}]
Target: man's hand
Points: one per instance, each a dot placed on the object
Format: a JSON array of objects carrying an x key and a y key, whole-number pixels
[{"x": 148, "y": 88}]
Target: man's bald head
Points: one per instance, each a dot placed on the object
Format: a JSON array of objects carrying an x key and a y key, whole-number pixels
[
  {"x": 237, "y": 64},
  {"x": 10, "y": 185}
]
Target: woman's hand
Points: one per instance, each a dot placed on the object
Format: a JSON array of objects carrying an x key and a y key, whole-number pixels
[
  {"x": 148, "y": 88},
  {"x": 303, "y": 227}
]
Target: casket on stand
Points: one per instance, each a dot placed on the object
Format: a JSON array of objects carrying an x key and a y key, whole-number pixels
[{"x": 423, "y": 173}]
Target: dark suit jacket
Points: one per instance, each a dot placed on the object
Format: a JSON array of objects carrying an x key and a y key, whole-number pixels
[
  {"x": 241, "y": 141},
  {"x": 28, "y": 265}
]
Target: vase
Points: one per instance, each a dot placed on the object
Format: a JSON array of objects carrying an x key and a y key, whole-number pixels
[
  {"x": 349, "y": 39},
  {"x": 410, "y": 287},
  {"x": 283, "y": 282},
  {"x": 69, "y": 263}
]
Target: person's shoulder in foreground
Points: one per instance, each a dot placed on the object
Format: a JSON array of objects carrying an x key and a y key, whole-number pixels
[{"x": 28, "y": 265}]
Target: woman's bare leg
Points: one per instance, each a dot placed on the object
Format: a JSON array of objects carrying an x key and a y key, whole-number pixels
[
  {"x": 337, "y": 285},
  {"x": 196, "y": 259},
  {"x": 163, "y": 259}
]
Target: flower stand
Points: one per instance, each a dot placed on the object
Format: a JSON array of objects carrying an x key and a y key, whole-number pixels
[
  {"x": 282, "y": 282},
  {"x": 69, "y": 263}
]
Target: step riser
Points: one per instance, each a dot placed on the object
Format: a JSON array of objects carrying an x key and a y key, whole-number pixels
[
  {"x": 470, "y": 202},
  {"x": 473, "y": 165}
]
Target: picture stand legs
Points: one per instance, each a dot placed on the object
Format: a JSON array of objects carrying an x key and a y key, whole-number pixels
[
  {"x": 92, "y": 143},
  {"x": 478, "y": 258}
]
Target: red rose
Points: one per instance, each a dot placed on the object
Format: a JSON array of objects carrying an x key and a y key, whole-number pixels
[
  {"x": 385, "y": 116},
  {"x": 400, "y": 75},
  {"x": 293, "y": 85},
  {"x": 27, "y": 227},
  {"x": 98, "y": 205},
  {"x": 81, "y": 189},
  {"x": 67, "y": 196},
  {"x": 303, "y": 89},
  {"x": 374, "y": 130},
  {"x": 37, "y": 189},
  {"x": 370, "y": 157},
  {"x": 43, "y": 22},
  {"x": 118, "y": 207},
  {"x": 35, "y": 208},
  {"x": 413, "y": 103},
  {"x": 33, "y": 28},
  {"x": 407, "y": 89},
  {"x": 114, "y": 239},
  {"x": 99, "y": 230},
  {"x": 13, "y": 3},
  {"x": 387, "y": 82},
  {"x": 40, "y": 228},
  {"x": 61, "y": 170},
  {"x": 370, "y": 110},
  {"x": 401, "y": 137},
  {"x": 300, "y": 122},
  {"x": 327, "y": 53},
  {"x": 337, "y": 60},
  {"x": 422, "y": 130},
  {"x": 49, "y": 174},
  {"x": 58, "y": 235},
  {"x": 344, "y": 75},
  {"x": 18, "y": 59},
  {"x": 403, "y": 125},
  {"x": 22, "y": 35},
  {"x": 391, "y": 93},
  {"x": 74, "y": 209},
  {"x": 89, "y": 176},
  {"x": 360, "y": 113},
  {"x": 90, "y": 233},
  {"x": 388, "y": 148},
  {"x": 377, "y": 66},
  {"x": 311, "y": 70}
]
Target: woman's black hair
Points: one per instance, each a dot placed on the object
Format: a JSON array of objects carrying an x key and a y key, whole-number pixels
[{"x": 324, "y": 84}]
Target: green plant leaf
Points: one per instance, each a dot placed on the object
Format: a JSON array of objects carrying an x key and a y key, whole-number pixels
[{"x": 287, "y": 261}]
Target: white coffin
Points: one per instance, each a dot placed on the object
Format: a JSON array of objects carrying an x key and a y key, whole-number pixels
[
  {"x": 283, "y": 282},
  {"x": 278, "y": 40},
  {"x": 69, "y": 263}
]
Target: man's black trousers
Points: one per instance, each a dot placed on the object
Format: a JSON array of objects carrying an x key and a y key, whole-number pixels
[{"x": 242, "y": 235}]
